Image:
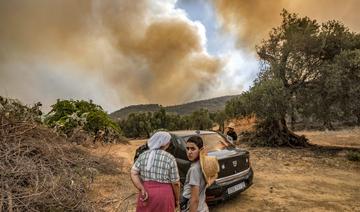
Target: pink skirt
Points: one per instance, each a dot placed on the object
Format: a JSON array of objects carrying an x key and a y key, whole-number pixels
[{"x": 161, "y": 198}]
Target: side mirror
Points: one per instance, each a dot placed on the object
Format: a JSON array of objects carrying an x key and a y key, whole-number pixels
[{"x": 229, "y": 138}]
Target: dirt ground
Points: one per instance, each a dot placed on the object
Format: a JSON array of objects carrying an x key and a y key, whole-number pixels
[
  {"x": 115, "y": 192},
  {"x": 343, "y": 138},
  {"x": 285, "y": 179}
]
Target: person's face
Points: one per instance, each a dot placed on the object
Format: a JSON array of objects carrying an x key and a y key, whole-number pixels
[
  {"x": 166, "y": 146},
  {"x": 192, "y": 151}
]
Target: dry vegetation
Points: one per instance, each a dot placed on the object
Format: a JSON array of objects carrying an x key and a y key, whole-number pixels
[
  {"x": 244, "y": 124},
  {"x": 37, "y": 173},
  {"x": 41, "y": 171},
  {"x": 44, "y": 172}
]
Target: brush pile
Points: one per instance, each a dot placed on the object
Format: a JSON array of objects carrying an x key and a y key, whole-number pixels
[{"x": 39, "y": 170}]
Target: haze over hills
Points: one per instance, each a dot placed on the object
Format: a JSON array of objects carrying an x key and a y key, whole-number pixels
[{"x": 211, "y": 105}]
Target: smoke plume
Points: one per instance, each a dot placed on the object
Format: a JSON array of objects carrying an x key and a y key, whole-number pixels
[
  {"x": 115, "y": 52},
  {"x": 252, "y": 20}
]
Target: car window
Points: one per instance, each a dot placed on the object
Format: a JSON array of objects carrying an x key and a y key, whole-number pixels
[
  {"x": 182, "y": 142},
  {"x": 213, "y": 141},
  {"x": 171, "y": 149},
  {"x": 181, "y": 153}
]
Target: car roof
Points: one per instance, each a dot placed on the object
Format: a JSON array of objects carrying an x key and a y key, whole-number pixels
[{"x": 184, "y": 133}]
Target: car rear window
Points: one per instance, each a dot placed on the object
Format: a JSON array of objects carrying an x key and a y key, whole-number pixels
[{"x": 213, "y": 141}]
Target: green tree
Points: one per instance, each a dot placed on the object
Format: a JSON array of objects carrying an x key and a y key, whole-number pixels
[
  {"x": 327, "y": 97},
  {"x": 160, "y": 119},
  {"x": 185, "y": 123},
  {"x": 347, "y": 63},
  {"x": 66, "y": 115},
  {"x": 219, "y": 117},
  {"x": 143, "y": 124},
  {"x": 292, "y": 55},
  {"x": 269, "y": 101},
  {"x": 137, "y": 125},
  {"x": 201, "y": 120},
  {"x": 238, "y": 107},
  {"x": 290, "y": 58}
]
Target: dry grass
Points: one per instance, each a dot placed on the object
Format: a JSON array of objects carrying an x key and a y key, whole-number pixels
[
  {"x": 341, "y": 138},
  {"x": 244, "y": 124}
]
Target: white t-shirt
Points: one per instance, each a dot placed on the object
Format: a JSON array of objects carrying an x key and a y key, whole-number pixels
[{"x": 195, "y": 177}]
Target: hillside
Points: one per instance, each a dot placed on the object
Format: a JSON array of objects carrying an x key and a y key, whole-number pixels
[{"x": 212, "y": 105}]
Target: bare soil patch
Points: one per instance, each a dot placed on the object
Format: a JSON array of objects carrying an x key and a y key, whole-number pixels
[
  {"x": 299, "y": 180},
  {"x": 115, "y": 192},
  {"x": 342, "y": 138}
]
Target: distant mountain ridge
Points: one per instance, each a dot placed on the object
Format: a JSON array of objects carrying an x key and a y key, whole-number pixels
[{"x": 211, "y": 105}]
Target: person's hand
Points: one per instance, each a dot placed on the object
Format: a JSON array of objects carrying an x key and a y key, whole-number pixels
[
  {"x": 144, "y": 195},
  {"x": 177, "y": 206}
]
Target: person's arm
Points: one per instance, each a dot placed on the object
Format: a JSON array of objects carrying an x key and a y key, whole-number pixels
[
  {"x": 194, "y": 200},
  {"x": 176, "y": 190},
  {"x": 135, "y": 178},
  {"x": 175, "y": 180}
]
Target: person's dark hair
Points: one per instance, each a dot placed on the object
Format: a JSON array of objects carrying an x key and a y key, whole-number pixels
[{"x": 197, "y": 140}]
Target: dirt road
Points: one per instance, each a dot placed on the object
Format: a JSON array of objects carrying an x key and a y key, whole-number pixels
[{"x": 285, "y": 180}]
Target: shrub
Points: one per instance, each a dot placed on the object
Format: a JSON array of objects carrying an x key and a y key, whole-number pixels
[
  {"x": 354, "y": 155},
  {"x": 68, "y": 115}
]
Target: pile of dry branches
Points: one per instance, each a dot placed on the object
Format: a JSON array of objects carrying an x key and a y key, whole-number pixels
[{"x": 40, "y": 171}]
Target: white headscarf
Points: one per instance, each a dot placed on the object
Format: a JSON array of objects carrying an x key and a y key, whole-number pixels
[{"x": 156, "y": 141}]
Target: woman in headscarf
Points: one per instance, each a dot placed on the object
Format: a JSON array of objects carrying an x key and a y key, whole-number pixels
[{"x": 155, "y": 175}]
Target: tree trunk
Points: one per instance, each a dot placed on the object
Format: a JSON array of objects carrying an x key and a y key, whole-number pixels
[
  {"x": 292, "y": 112},
  {"x": 357, "y": 114},
  {"x": 276, "y": 133},
  {"x": 292, "y": 122},
  {"x": 222, "y": 127},
  {"x": 328, "y": 125},
  {"x": 147, "y": 132}
]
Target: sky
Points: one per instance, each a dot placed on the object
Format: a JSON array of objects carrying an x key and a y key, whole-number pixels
[{"x": 122, "y": 52}]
